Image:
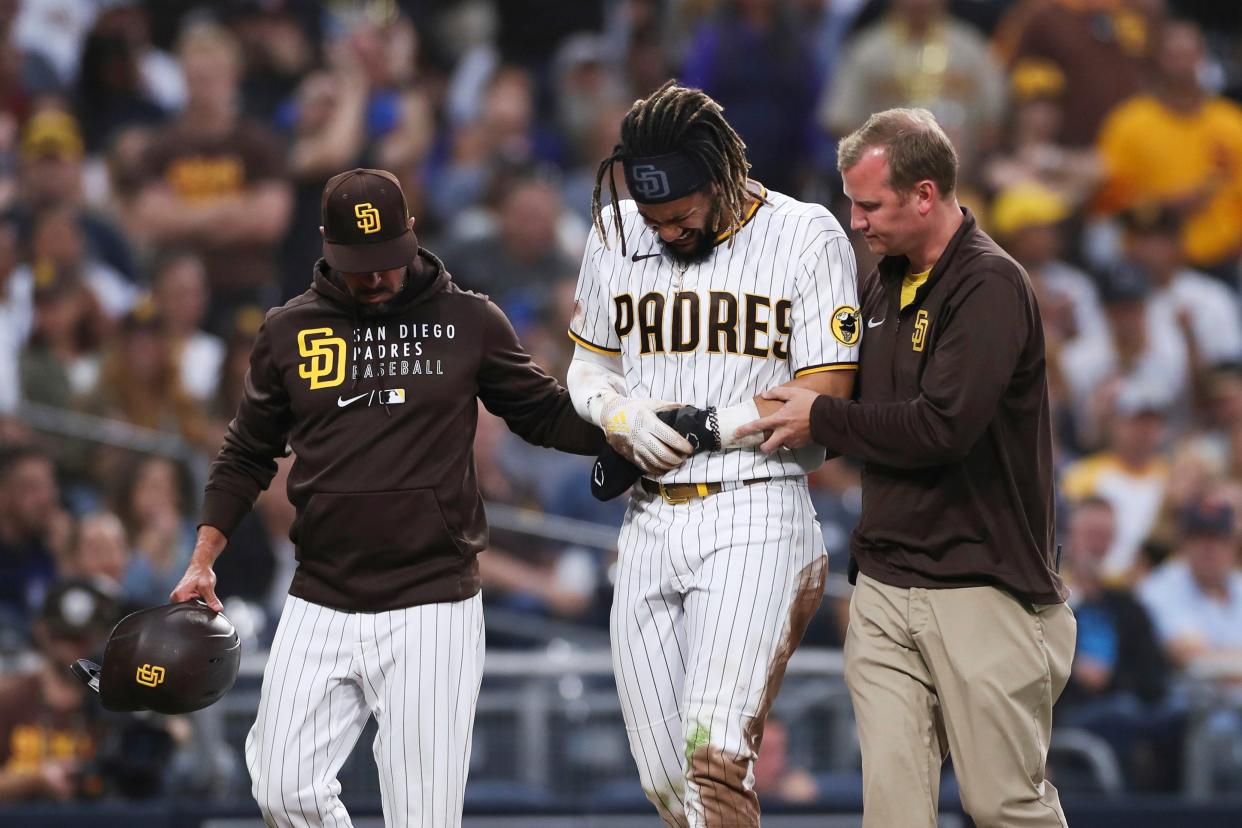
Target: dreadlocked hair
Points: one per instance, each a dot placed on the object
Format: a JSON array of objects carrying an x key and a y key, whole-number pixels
[{"x": 678, "y": 119}]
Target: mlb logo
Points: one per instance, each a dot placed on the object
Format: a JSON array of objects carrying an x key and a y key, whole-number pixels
[{"x": 391, "y": 396}]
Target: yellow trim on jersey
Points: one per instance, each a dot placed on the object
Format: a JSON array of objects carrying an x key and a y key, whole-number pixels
[
  {"x": 911, "y": 284},
  {"x": 591, "y": 346},
  {"x": 750, "y": 214},
  {"x": 819, "y": 369}
]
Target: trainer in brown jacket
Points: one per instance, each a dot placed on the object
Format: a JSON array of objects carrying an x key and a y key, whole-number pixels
[
  {"x": 959, "y": 639},
  {"x": 371, "y": 377}
]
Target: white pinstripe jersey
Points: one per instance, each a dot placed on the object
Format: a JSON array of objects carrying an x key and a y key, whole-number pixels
[{"x": 780, "y": 302}]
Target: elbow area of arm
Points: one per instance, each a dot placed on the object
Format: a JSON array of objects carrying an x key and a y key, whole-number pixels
[{"x": 946, "y": 440}]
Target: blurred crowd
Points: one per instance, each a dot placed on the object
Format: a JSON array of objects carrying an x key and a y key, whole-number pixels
[{"x": 161, "y": 165}]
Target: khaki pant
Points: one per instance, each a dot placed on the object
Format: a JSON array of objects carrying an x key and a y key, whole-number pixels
[{"x": 969, "y": 672}]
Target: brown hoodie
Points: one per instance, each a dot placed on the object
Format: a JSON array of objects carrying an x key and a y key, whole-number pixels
[{"x": 379, "y": 407}]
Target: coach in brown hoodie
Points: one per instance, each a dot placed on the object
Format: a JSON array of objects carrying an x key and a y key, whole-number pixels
[
  {"x": 959, "y": 639},
  {"x": 371, "y": 377}
]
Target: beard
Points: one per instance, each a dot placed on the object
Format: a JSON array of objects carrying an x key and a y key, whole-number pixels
[
  {"x": 701, "y": 250},
  {"x": 372, "y": 309}
]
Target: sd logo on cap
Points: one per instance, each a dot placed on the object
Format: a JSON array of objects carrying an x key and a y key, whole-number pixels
[{"x": 366, "y": 223}]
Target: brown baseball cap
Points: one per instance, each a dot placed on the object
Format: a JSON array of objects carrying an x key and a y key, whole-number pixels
[{"x": 366, "y": 222}]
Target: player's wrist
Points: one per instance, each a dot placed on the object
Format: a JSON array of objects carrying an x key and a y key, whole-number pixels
[
  {"x": 602, "y": 405},
  {"x": 697, "y": 425},
  {"x": 734, "y": 417}
]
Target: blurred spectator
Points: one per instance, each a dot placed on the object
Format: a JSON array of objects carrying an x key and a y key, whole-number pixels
[
  {"x": 1119, "y": 677},
  {"x": 236, "y": 362},
  {"x": 519, "y": 260},
  {"x": 276, "y": 52},
  {"x": 60, "y": 364},
  {"x": 24, "y": 72},
  {"x": 1200, "y": 304},
  {"x": 33, "y": 532},
  {"x": 529, "y": 30},
  {"x": 100, "y": 549},
  {"x": 504, "y": 136},
  {"x": 919, "y": 55},
  {"x": 646, "y": 54},
  {"x": 151, "y": 502},
  {"x": 16, "y": 316},
  {"x": 140, "y": 381},
  {"x": 1032, "y": 152},
  {"x": 1117, "y": 650},
  {"x": 214, "y": 182},
  {"x": 59, "y": 242},
  {"x": 51, "y": 178},
  {"x": 49, "y": 737},
  {"x": 1140, "y": 348},
  {"x": 387, "y": 44},
  {"x": 777, "y": 779},
  {"x": 124, "y": 80},
  {"x": 1069, "y": 42},
  {"x": 545, "y": 338},
  {"x": 1195, "y": 599},
  {"x": 1130, "y": 474},
  {"x": 1028, "y": 219},
  {"x": 1195, "y": 472},
  {"x": 179, "y": 288},
  {"x": 1221, "y": 439},
  {"x": 586, "y": 87},
  {"x": 778, "y": 129},
  {"x": 329, "y": 134},
  {"x": 1183, "y": 147},
  {"x": 400, "y": 116},
  {"x": 579, "y": 182},
  {"x": 54, "y": 30}
]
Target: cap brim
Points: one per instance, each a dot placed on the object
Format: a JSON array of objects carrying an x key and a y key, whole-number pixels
[{"x": 366, "y": 258}]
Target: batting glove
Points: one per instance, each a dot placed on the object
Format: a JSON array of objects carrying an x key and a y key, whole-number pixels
[{"x": 634, "y": 431}]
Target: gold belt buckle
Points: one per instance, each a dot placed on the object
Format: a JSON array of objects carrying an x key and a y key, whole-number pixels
[{"x": 669, "y": 499}]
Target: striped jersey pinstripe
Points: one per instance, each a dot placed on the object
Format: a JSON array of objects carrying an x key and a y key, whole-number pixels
[{"x": 787, "y": 250}]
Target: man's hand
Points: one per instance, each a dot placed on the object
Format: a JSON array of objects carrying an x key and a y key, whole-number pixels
[
  {"x": 790, "y": 426},
  {"x": 199, "y": 580},
  {"x": 637, "y": 434}
]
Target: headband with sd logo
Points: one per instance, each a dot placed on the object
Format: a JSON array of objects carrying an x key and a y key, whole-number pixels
[{"x": 660, "y": 178}]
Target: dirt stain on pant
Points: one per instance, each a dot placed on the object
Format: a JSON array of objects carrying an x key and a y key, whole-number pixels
[{"x": 721, "y": 779}]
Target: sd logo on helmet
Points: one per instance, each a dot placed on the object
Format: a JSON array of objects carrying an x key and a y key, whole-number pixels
[{"x": 175, "y": 658}]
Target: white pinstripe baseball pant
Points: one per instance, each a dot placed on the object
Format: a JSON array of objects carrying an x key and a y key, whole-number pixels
[
  {"x": 712, "y": 596},
  {"x": 417, "y": 670}
]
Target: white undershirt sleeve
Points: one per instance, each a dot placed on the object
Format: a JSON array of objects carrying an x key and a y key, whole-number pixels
[{"x": 593, "y": 377}]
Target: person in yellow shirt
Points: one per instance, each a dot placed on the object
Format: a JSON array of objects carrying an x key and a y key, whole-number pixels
[
  {"x": 1130, "y": 473},
  {"x": 1180, "y": 147}
]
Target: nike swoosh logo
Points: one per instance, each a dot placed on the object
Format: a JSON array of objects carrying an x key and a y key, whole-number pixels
[
  {"x": 341, "y": 402},
  {"x": 638, "y": 258},
  {"x": 871, "y": 323}
]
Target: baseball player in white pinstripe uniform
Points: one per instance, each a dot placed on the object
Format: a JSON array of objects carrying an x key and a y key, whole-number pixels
[{"x": 706, "y": 290}]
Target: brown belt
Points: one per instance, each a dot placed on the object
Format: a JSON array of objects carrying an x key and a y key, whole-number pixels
[{"x": 683, "y": 492}]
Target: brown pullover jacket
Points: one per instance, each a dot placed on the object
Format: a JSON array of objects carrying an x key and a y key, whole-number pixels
[
  {"x": 950, "y": 417},
  {"x": 380, "y": 410}
]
